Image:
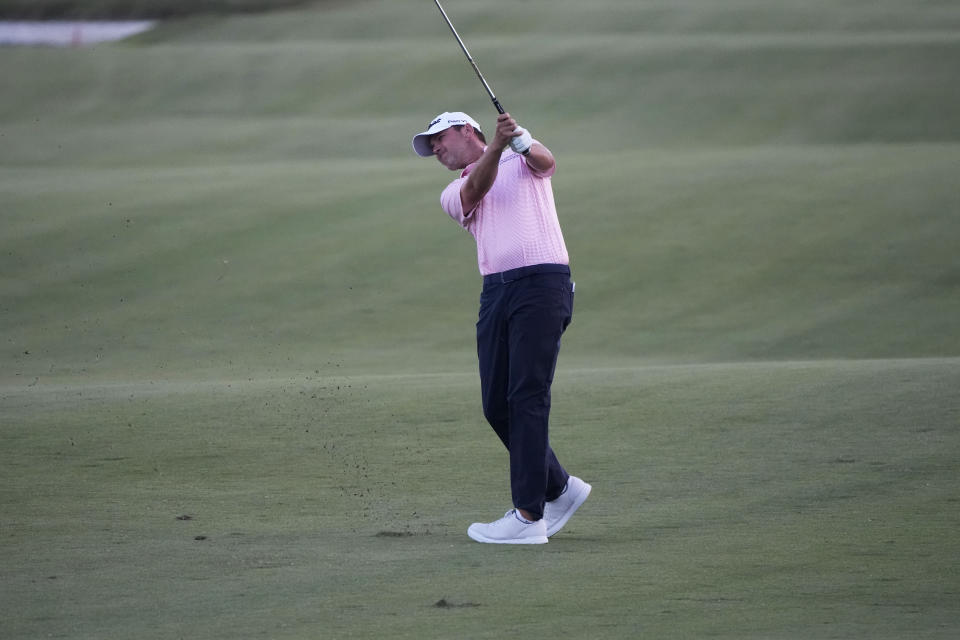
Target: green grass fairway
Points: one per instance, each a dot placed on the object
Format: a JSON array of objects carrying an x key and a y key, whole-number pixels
[
  {"x": 794, "y": 500},
  {"x": 238, "y": 392}
]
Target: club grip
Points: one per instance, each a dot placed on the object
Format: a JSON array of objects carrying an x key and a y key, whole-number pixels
[{"x": 500, "y": 109}]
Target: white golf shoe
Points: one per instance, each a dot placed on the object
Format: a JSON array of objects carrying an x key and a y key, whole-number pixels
[
  {"x": 509, "y": 530},
  {"x": 556, "y": 513}
]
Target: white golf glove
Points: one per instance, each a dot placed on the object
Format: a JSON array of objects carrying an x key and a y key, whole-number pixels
[{"x": 522, "y": 143}]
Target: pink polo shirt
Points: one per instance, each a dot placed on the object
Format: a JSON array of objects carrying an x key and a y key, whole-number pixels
[{"x": 515, "y": 225}]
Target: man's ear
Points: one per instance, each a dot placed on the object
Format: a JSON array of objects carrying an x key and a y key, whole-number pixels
[{"x": 471, "y": 135}]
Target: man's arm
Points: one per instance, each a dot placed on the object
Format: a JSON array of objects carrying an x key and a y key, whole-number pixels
[
  {"x": 481, "y": 178},
  {"x": 540, "y": 159},
  {"x": 484, "y": 174}
]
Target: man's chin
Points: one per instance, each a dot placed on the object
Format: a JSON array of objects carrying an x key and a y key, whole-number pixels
[{"x": 448, "y": 165}]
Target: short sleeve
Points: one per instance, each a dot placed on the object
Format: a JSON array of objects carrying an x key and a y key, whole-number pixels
[{"x": 452, "y": 204}]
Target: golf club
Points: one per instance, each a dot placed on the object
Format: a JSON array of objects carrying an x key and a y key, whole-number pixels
[{"x": 456, "y": 35}]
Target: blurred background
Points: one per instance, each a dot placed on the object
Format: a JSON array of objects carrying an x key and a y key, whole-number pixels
[{"x": 233, "y": 191}]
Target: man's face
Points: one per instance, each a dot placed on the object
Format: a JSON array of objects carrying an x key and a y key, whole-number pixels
[{"x": 455, "y": 147}]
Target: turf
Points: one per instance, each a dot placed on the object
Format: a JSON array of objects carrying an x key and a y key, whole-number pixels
[
  {"x": 238, "y": 397},
  {"x": 793, "y": 500}
]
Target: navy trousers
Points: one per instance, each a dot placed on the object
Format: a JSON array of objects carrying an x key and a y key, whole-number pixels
[{"x": 523, "y": 313}]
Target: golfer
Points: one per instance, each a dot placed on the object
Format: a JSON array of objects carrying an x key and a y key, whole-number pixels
[{"x": 504, "y": 198}]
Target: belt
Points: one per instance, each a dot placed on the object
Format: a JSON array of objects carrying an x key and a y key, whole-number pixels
[{"x": 522, "y": 272}]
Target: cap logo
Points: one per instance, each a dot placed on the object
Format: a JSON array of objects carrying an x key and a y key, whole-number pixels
[{"x": 434, "y": 122}]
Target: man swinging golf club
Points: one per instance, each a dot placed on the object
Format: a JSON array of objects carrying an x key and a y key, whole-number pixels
[{"x": 504, "y": 198}]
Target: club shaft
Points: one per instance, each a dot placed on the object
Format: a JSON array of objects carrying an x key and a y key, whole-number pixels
[{"x": 476, "y": 69}]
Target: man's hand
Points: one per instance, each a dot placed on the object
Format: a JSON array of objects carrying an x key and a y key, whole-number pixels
[
  {"x": 506, "y": 130},
  {"x": 519, "y": 139},
  {"x": 521, "y": 143}
]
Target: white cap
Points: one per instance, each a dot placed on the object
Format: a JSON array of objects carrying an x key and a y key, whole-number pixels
[{"x": 421, "y": 141}]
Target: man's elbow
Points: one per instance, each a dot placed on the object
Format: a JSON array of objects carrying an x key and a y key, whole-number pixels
[{"x": 540, "y": 158}]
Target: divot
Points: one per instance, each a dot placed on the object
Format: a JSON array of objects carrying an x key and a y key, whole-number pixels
[{"x": 443, "y": 603}]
